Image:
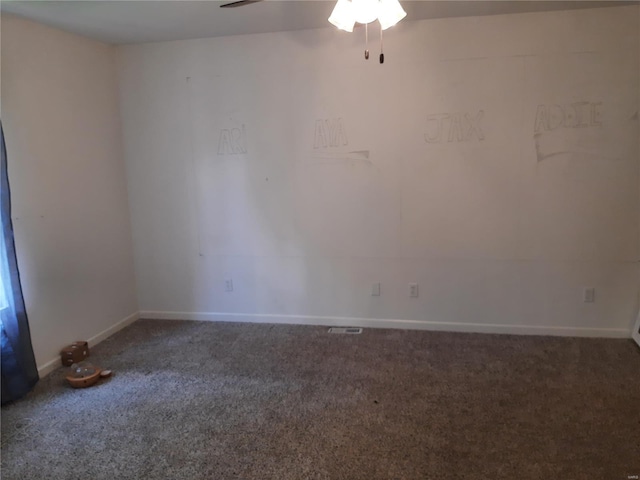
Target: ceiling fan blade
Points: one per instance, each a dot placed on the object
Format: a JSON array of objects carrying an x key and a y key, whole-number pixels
[{"x": 239, "y": 3}]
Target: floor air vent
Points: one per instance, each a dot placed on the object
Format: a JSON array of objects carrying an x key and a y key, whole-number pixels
[{"x": 346, "y": 330}]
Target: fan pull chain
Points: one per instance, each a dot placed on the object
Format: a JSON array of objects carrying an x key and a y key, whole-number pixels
[
  {"x": 381, "y": 53},
  {"x": 366, "y": 41}
]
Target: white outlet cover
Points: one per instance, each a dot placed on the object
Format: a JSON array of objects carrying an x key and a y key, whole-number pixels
[
  {"x": 375, "y": 290},
  {"x": 413, "y": 290},
  {"x": 589, "y": 295}
]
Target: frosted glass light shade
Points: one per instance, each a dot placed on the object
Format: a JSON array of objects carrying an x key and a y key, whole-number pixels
[
  {"x": 365, "y": 11},
  {"x": 390, "y": 12},
  {"x": 343, "y": 16}
]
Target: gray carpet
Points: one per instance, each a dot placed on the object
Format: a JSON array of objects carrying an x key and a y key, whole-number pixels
[{"x": 193, "y": 400}]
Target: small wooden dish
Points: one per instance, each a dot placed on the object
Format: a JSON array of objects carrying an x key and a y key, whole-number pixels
[{"x": 83, "y": 382}]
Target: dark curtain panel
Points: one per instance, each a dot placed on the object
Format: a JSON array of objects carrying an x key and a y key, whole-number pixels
[{"x": 19, "y": 371}]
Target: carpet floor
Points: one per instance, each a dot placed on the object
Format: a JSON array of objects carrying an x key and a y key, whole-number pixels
[{"x": 197, "y": 400}]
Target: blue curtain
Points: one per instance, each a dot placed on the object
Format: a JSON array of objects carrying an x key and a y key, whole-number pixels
[{"x": 19, "y": 371}]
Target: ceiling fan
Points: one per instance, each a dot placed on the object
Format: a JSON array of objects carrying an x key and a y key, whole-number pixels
[
  {"x": 347, "y": 14},
  {"x": 239, "y": 3}
]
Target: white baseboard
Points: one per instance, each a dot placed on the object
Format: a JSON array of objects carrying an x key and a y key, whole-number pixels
[
  {"x": 389, "y": 323},
  {"x": 48, "y": 367},
  {"x": 125, "y": 322}
]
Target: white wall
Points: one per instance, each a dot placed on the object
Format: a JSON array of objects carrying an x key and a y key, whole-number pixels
[
  {"x": 502, "y": 219},
  {"x": 69, "y": 198}
]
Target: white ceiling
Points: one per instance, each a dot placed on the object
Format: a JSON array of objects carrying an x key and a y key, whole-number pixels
[{"x": 153, "y": 21}]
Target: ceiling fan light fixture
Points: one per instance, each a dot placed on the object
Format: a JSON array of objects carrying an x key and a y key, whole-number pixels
[
  {"x": 343, "y": 15},
  {"x": 390, "y": 12},
  {"x": 365, "y": 11},
  {"x": 347, "y": 13}
]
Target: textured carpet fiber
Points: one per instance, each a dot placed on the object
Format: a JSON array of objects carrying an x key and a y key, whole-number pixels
[{"x": 191, "y": 400}]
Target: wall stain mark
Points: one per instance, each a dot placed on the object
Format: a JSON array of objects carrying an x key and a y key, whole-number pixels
[
  {"x": 454, "y": 127},
  {"x": 232, "y": 141},
  {"x": 329, "y": 132},
  {"x": 556, "y": 126},
  {"x": 576, "y": 115},
  {"x": 337, "y": 157}
]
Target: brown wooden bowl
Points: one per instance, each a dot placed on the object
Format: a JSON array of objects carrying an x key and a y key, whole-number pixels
[{"x": 83, "y": 382}]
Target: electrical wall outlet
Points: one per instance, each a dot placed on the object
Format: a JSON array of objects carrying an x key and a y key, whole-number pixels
[
  {"x": 413, "y": 290},
  {"x": 375, "y": 290},
  {"x": 228, "y": 285},
  {"x": 589, "y": 295}
]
